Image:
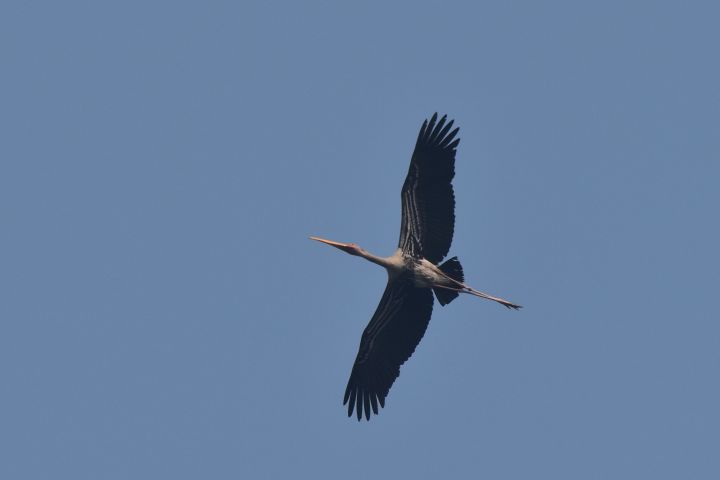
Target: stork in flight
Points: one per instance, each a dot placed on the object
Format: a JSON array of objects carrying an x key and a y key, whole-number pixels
[{"x": 414, "y": 270}]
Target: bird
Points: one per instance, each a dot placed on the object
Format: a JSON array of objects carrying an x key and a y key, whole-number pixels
[{"x": 414, "y": 270}]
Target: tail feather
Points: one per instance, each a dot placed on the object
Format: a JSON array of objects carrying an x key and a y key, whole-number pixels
[{"x": 452, "y": 269}]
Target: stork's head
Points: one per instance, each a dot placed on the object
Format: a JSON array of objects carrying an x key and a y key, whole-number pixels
[{"x": 350, "y": 248}]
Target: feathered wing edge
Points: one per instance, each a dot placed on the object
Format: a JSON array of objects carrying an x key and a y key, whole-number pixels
[
  {"x": 390, "y": 338},
  {"x": 428, "y": 200}
]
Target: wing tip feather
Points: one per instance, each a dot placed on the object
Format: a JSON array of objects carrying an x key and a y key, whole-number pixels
[{"x": 434, "y": 134}]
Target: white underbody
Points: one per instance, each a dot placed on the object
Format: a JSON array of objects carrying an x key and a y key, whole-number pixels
[{"x": 424, "y": 273}]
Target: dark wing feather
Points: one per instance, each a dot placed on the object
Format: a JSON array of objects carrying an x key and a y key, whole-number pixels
[
  {"x": 428, "y": 200},
  {"x": 390, "y": 338}
]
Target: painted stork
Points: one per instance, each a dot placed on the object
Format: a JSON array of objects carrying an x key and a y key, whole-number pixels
[{"x": 414, "y": 270}]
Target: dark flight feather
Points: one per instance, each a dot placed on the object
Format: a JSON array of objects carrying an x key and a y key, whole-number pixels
[
  {"x": 390, "y": 338},
  {"x": 428, "y": 199}
]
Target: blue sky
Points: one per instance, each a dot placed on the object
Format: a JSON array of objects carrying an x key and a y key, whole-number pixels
[{"x": 164, "y": 315}]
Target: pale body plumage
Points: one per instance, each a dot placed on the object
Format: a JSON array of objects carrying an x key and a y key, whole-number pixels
[{"x": 422, "y": 273}]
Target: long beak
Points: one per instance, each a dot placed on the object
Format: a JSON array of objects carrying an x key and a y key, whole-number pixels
[
  {"x": 345, "y": 247},
  {"x": 330, "y": 242}
]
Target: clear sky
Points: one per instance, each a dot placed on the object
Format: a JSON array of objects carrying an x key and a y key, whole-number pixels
[{"x": 164, "y": 315}]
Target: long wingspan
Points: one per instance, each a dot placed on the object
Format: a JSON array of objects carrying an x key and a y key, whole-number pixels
[
  {"x": 390, "y": 338},
  {"x": 428, "y": 201}
]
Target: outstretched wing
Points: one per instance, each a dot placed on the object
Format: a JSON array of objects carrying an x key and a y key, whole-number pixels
[
  {"x": 390, "y": 338},
  {"x": 428, "y": 200}
]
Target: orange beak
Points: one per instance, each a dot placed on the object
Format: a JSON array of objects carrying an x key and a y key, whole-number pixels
[{"x": 342, "y": 246}]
